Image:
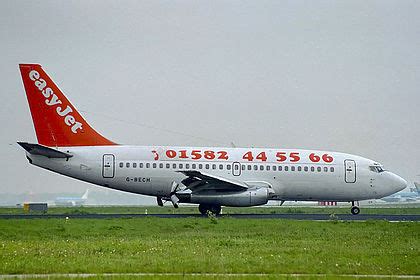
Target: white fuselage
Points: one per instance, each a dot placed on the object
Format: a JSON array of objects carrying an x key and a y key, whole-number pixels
[{"x": 290, "y": 174}]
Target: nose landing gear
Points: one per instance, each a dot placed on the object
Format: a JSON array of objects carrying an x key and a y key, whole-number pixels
[{"x": 354, "y": 209}]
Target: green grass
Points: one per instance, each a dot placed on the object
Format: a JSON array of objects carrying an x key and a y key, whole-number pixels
[
  {"x": 195, "y": 245},
  {"x": 210, "y": 277},
  {"x": 406, "y": 209}
]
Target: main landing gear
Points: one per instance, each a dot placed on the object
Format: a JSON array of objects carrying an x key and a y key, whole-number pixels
[
  {"x": 204, "y": 208},
  {"x": 354, "y": 209}
]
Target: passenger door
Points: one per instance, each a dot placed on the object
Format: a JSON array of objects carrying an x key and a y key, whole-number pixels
[
  {"x": 350, "y": 171},
  {"x": 108, "y": 166}
]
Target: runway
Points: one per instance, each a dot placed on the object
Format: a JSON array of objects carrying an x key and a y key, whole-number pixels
[{"x": 310, "y": 217}]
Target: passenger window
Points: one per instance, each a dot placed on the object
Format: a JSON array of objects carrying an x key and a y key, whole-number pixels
[
  {"x": 193, "y": 166},
  {"x": 261, "y": 167},
  {"x": 325, "y": 169},
  {"x": 299, "y": 168},
  {"x": 312, "y": 168},
  {"x": 141, "y": 165},
  {"x": 255, "y": 167},
  {"x": 160, "y": 165},
  {"x": 187, "y": 166},
  {"x": 221, "y": 166},
  {"x": 207, "y": 166},
  {"x": 200, "y": 166},
  {"x": 292, "y": 168},
  {"x": 181, "y": 166},
  {"x": 280, "y": 168},
  {"x": 121, "y": 165},
  {"x": 134, "y": 165},
  {"x": 214, "y": 166},
  {"x": 274, "y": 168},
  {"x": 286, "y": 168},
  {"x": 168, "y": 166},
  {"x": 306, "y": 168},
  {"x": 147, "y": 165},
  {"x": 267, "y": 167},
  {"x": 319, "y": 169},
  {"x": 127, "y": 165},
  {"x": 332, "y": 169},
  {"x": 243, "y": 166},
  {"x": 228, "y": 167},
  {"x": 236, "y": 167},
  {"x": 135, "y": 179},
  {"x": 154, "y": 165},
  {"x": 174, "y": 166},
  {"x": 249, "y": 166}
]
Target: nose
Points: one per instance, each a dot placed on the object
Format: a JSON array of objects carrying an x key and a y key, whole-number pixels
[{"x": 398, "y": 183}]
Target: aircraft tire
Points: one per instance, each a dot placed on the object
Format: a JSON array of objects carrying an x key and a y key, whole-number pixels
[
  {"x": 203, "y": 208},
  {"x": 355, "y": 210},
  {"x": 216, "y": 209}
]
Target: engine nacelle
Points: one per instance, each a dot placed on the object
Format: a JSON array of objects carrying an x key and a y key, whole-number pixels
[{"x": 250, "y": 197}]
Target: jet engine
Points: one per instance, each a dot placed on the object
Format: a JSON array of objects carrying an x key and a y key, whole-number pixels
[{"x": 250, "y": 197}]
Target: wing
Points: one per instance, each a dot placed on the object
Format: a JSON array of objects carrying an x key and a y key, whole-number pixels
[{"x": 198, "y": 181}]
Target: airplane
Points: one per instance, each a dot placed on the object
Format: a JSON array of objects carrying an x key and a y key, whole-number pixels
[
  {"x": 71, "y": 201},
  {"x": 211, "y": 177}
]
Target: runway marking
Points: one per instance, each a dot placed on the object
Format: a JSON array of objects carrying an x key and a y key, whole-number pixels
[{"x": 233, "y": 275}]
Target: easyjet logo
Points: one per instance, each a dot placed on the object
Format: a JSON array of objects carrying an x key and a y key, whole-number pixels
[{"x": 52, "y": 99}]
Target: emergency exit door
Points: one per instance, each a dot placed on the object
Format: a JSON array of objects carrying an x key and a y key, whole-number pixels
[
  {"x": 108, "y": 166},
  {"x": 350, "y": 171},
  {"x": 236, "y": 169}
]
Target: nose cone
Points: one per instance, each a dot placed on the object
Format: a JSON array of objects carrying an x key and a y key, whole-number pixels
[{"x": 398, "y": 183}]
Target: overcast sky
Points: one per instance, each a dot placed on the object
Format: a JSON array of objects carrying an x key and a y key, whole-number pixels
[{"x": 332, "y": 75}]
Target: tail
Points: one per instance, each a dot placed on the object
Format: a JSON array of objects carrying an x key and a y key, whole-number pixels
[
  {"x": 56, "y": 120},
  {"x": 85, "y": 195},
  {"x": 417, "y": 187}
]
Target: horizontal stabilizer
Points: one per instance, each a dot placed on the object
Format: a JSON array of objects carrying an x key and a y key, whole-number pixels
[{"x": 36, "y": 149}]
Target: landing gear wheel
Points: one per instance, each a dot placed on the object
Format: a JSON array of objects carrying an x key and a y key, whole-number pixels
[
  {"x": 355, "y": 210},
  {"x": 203, "y": 209},
  {"x": 215, "y": 209}
]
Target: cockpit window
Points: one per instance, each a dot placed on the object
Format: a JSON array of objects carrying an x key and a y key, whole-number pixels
[{"x": 376, "y": 168}]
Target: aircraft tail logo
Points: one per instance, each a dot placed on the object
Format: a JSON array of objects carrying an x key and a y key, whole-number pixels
[{"x": 56, "y": 120}]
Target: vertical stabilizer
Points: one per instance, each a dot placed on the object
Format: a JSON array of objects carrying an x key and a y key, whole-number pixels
[
  {"x": 417, "y": 187},
  {"x": 56, "y": 120},
  {"x": 85, "y": 195}
]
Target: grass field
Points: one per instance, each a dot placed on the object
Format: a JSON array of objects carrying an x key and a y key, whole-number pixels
[
  {"x": 405, "y": 209},
  {"x": 223, "y": 245}
]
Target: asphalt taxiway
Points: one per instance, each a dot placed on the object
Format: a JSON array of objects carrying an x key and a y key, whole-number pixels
[{"x": 311, "y": 217}]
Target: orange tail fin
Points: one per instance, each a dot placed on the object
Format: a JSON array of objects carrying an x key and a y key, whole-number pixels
[{"x": 56, "y": 120}]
